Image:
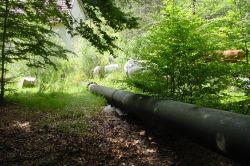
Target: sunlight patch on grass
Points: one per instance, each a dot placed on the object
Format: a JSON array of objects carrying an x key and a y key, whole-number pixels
[
  {"x": 233, "y": 94},
  {"x": 66, "y": 111},
  {"x": 56, "y": 100},
  {"x": 236, "y": 100}
]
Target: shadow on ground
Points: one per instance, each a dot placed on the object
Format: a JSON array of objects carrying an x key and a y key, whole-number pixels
[{"x": 110, "y": 140}]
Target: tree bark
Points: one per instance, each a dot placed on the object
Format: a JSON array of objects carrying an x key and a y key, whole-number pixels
[
  {"x": 194, "y": 7},
  {"x": 3, "y": 51},
  {"x": 246, "y": 52}
]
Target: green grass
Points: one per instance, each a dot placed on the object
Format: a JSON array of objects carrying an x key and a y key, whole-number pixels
[
  {"x": 56, "y": 100},
  {"x": 66, "y": 111},
  {"x": 236, "y": 100}
]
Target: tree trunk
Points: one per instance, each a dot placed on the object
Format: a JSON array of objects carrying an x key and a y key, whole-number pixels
[
  {"x": 2, "y": 82},
  {"x": 246, "y": 52},
  {"x": 194, "y": 7},
  {"x": 243, "y": 33}
]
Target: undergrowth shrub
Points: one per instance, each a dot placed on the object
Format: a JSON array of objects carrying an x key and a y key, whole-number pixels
[{"x": 176, "y": 51}]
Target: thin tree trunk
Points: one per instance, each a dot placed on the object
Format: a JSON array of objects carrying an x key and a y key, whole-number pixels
[
  {"x": 194, "y": 7},
  {"x": 3, "y": 51},
  {"x": 243, "y": 34},
  {"x": 246, "y": 52}
]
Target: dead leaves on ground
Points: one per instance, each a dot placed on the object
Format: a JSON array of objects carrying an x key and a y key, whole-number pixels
[{"x": 110, "y": 140}]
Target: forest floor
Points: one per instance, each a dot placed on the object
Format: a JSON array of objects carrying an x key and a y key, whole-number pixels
[{"x": 109, "y": 140}]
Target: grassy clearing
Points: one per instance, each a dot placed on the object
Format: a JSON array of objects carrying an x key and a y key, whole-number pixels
[{"x": 66, "y": 111}]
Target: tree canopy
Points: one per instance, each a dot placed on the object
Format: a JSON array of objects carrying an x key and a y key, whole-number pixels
[{"x": 26, "y": 32}]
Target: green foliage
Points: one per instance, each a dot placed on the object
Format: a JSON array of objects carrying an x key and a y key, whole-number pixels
[
  {"x": 176, "y": 52},
  {"x": 103, "y": 15},
  {"x": 231, "y": 26},
  {"x": 28, "y": 35},
  {"x": 180, "y": 54},
  {"x": 114, "y": 80},
  {"x": 90, "y": 58},
  {"x": 147, "y": 11},
  {"x": 52, "y": 80}
]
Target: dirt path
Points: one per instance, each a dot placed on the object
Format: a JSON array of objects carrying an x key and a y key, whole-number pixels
[{"x": 110, "y": 141}]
